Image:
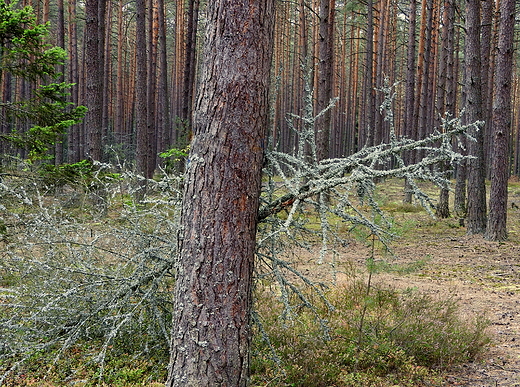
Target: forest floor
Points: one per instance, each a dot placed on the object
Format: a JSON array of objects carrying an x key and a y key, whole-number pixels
[{"x": 483, "y": 276}]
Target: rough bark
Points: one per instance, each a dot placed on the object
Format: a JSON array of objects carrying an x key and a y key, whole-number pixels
[
  {"x": 151, "y": 88},
  {"x": 94, "y": 78},
  {"x": 501, "y": 125},
  {"x": 163, "y": 108},
  {"x": 190, "y": 65},
  {"x": 369, "y": 102},
  {"x": 60, "y": 42},
  {"x": 410, "y": 129},
  {"x": 325, "y": 77},
  {"x": 211, "y": 334},
  {"x": 119, "y": 92},
  {"x": 476, "y": 209},
  {"x": 423, "y": 101},
  {"x": 141, "y": 111},
  {"x": 443, "y": 101},
  {"x": 75, "y": 140},
  {"x": 487, "y": 74}
]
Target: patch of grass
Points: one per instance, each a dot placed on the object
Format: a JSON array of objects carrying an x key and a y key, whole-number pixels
[
  {"x": 435, "y": 334},
  {"x": 407, "y": 208},
  {"x": 383, "y": 266},
  {"x": 8, "y": 279},
  {"x": 79, "y": 366},
  {"x": 376, "y": 337}
]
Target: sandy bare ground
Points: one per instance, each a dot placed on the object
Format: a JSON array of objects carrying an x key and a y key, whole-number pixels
[{"x": 484, "y": 276}]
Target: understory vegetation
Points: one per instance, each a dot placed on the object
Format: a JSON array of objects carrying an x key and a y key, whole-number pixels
[
  {"x": 87, "y": 265},
  {"x": 374, "y": 337}
]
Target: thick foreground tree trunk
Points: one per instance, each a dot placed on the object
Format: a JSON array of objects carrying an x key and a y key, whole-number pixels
[{"x": 211, "y": 324}]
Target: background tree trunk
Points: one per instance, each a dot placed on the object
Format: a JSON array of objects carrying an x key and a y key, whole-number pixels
[
  {"x": 119, "y": 87},
  {"x": 443, "y": 99},
  {"x": 424, "y": 73},
  {"x": 367, "y": 122},
  {"x": 410, "y": 129},
  {"x": 190, "y": 67},
  {"x": 151, "y": 87},
  {"x": 60, "y": 42},
  {"x": 75, "y": 141},
  {"x": 487, "y": 8},
  {"x": 141, "y": 112},
  {"x": 501, "y": 125},
  {"x": 164, "y": 141},
  {"x": 476, "y": 210},
  {"x": 94, "y": 77},
  {"x": 325, "y": 77},
  {"x": 211, "y": 334}
]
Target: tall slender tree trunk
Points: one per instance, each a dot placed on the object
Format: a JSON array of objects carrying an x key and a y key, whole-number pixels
[
  {"x": 60, "y": 42},
  {"x": 423, "y": 101},
  {"x": 94, "y": 77},
  {"x": 163, "y": 107},
  {"x": 459, "y": 196},
  {"x": 369, "y": 102},
  {"x": 501, "y": 125},
  {"x": 211, "y": 325},
  {"x": 381, "y": 70},
  {"x": 325, "y": 77},
  {"x": 419, "y": 77},
  {"x": 190, "y": 64},
  {"x": 141, "y": 109},
  {"x": 410, "y": 129},
  {"x": 119, "y": 103},
  {"x": 74, "y": 139},
  {"x": 486, "y": 32},
  {"x": 106, "y": 47},
  {"x": 444, "y": 102},
  {"x": 178, "y": 68},
  {"x": 151, "y": 88},
  {"x": 476, "y": 210}
]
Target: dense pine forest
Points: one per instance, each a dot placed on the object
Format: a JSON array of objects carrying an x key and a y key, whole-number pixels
[
  {"x": 168, "y": 171},
  {"x": 134, "y": 65}
]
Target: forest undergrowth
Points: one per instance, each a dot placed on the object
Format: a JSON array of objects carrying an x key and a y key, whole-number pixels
[{"x": 86, "y": 273}]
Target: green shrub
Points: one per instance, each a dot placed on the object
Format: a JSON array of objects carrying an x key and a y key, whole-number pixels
[
  {"x": 433, "y": 332},
  {"x": 83, "y": 173},
  {"x": 375, "y": 336}
]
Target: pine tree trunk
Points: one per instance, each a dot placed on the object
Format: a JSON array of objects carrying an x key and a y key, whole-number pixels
[
  {"x": 151, "y": 88},
  {"x": 94, "y": 78},
  {"x": 141, "y": 121},
  {"x": 190, "y": 64},
  {"x": 163, "y": 108},
  {"x": 501, "y": 125},
  {"x": 60, "y": 42},
  {"x": 367, "y": 121},
  {"x": 423, "y": 100},
  {"x": 487, "y": 75},
  {"x": 106, "y": 67},
  {"x": 211, "y": 335},
  {"x": 476, "y": 209},
  {"x": 74, "y": 140},
  {"x": 325, "y": 77},
  {"x": 119, "y": 102},
  {"x": 443, "y": 88},
  {"x": 410, "y": 129},
  {"x": 178, "y": 69}
]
